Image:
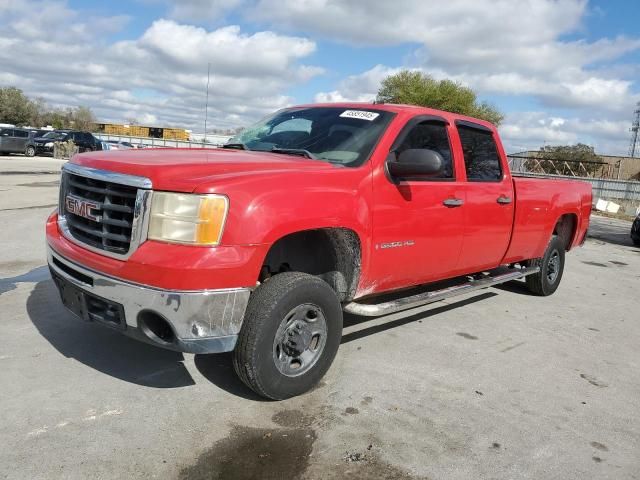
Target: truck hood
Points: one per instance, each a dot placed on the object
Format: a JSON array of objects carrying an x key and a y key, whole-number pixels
[{"x": 183, "y": 169}]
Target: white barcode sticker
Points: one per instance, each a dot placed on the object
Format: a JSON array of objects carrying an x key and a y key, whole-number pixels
[{"x": 361, "y": 114}]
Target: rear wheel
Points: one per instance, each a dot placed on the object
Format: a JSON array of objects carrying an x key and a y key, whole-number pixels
[
  {"x": 30, "y": 151},
  {"x": 547, "y": 280},
  {"x": 290, "y": 335}
]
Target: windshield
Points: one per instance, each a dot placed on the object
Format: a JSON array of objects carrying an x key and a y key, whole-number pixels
[
  {"x": 54, "y": 135},
  {"x": 338, "y": 135}
]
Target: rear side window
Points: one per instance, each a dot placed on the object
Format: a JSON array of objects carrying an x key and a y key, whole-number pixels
[
  {"x": 431, "y": 136},
  {"x": 481, "y": 159},
  {"x": 22, "y": 134}
]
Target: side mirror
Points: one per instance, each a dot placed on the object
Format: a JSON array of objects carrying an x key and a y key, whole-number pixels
[{"x": 416, "y": 162}]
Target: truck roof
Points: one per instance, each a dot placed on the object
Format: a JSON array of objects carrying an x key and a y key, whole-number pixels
[{"x": 401, "y": 108}]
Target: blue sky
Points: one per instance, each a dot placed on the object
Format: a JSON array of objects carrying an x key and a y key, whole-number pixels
[{"x": 563, "y": 71}]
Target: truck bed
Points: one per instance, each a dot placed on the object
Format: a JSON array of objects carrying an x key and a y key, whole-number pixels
[{"x": 539, "y": 202}]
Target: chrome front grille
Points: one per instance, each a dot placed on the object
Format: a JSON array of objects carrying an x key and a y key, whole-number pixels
[{"x": 103, "y": 211}]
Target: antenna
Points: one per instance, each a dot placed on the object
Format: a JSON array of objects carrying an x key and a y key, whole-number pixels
[
  {"x": 634, "y": 148},
  {"x": 206, "y": 105}
]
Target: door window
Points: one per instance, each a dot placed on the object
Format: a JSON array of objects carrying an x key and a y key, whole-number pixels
[
  {"x": 22, "y": 134},
  {"x": 6, "y": 132},
  {"x": 481, "y": 159},
  {"x": 431, "y": 136}
]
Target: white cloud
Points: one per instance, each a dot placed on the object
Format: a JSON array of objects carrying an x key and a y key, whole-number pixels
[
  {"x": 160, "y": 76},
  {"x": 494, "y": 46},
  {"x": 498, "y": 48},
  {"x": 581, "y": 90},
  {"x": 358, "y": 88},
  {"x": 532, "y": 130}
]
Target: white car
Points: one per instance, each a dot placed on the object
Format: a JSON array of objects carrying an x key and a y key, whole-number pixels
[{"x": 119, "y": 145}]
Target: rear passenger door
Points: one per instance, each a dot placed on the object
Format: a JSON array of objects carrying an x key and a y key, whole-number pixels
[
  {"x": 21, "y": 140},
  {"x": 489, "y": 202}
]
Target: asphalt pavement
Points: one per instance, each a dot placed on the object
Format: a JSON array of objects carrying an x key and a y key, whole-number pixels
[{"x": 498, "y": 384}]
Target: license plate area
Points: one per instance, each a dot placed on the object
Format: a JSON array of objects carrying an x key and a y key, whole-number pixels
[{"x": 88, "y": 306}]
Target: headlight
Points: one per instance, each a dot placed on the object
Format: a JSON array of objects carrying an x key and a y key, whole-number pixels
[
  {"x": 187, "y": 218},
  {"x": 48, "y": 144}
]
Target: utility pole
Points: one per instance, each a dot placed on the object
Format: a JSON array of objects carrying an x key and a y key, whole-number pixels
[
  {"x": 634, "y": 148},
  {"x": 206, "y": 105},
  {"x": 635, "y": 126}
]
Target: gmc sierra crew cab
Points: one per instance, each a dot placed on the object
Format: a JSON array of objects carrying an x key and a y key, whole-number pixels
[{"x": 259, "y": 247}]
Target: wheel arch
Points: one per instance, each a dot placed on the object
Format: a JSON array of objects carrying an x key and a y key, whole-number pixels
[
  {"x": 566, "y": 228},
  {"x": 331, "y": 253}
]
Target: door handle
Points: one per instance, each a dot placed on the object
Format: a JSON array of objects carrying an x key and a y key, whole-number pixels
[
  {"x": 453, "y": 202},
  {"x": 504, "y": 200}
]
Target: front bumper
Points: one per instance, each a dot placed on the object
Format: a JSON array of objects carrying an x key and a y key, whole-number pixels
[
  {"x": 41, "y": 149},
  {"x": 202, "y": 321}
]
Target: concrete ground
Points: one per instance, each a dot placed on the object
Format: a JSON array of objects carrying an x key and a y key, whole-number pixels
[{"x": 499, "y": 384}]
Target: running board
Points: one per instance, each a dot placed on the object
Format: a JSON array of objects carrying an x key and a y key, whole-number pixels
[{"x": 413, "y": 301}]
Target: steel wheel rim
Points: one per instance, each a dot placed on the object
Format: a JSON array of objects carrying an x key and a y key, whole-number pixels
[
  {"x": 300, "y": 340},
  {"x": 553, "y": 267}
]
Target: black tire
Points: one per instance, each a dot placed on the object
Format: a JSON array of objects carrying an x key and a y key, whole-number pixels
[
  {"x": 547, "y": 280},
  {"x": 635, "y": 232},
  {"x": 30, "y": 151},
  {"x": 270, "y": 305}
]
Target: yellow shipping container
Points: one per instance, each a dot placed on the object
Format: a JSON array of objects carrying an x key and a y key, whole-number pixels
[{"x": 140, "y": 131}]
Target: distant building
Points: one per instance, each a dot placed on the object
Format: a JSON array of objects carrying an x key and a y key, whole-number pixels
[{"x": 141, "y": 131}]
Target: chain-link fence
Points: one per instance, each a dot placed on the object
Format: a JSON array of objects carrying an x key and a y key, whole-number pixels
[
  {"x": 211, "y": 142},
  {"x": 563, "y": 167}
]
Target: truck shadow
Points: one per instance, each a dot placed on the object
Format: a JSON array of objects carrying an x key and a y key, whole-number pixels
[
  {"x": 218, "y": 369},
  {"x": 101, "y": 348},
  {"x": 351, "y": 320},
  {"x": 515, "y": 286}
]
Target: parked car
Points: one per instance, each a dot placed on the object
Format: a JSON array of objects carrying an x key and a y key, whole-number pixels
[
  {"x": 259, "y": 247},
  {"x": 43, "y": 145},
  {"x": 635, "y": 231},
  {"x": 119, "y": 145},
  {"x": 103, "y": 145},
  {"x": 15, "y": 140}
]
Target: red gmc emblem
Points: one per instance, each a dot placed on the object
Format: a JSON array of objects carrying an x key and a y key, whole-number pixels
[{"x": 81, "y": 207}]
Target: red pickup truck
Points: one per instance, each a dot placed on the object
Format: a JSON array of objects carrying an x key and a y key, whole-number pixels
[{"x": 259, "y": 247}]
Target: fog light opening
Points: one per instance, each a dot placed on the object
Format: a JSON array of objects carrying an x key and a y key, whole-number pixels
[{"x": 156, "y": 328}]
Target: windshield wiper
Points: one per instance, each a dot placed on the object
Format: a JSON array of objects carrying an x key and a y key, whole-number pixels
[
  {"x": 236, "y": 146},
  {"x": 295, "y": 151}
]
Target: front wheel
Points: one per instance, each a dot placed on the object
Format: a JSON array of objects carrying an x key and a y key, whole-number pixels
[
  {"x": 30, "y": 151},
  {"x": 290, "y": 335},
  {"x": 547, "y": 280}
]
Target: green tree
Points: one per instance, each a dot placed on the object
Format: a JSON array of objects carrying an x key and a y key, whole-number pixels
[
  {"x": 39, "y": 113},
  {"x": 575, "y": 160},
  {"x": 83, "y": 119},
  {"x": 15, "y": 107},
  {"x": 417, "y": 88}
]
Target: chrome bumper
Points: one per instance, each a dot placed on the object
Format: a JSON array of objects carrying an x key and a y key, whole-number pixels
[{"x": 206, "y": 321}]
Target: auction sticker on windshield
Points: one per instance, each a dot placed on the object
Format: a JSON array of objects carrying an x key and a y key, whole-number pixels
[{"x": 361, "y": 114}]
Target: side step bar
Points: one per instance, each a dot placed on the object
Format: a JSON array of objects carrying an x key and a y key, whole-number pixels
[{"x": 413, "y": 301}]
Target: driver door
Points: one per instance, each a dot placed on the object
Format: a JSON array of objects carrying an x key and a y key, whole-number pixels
[{"x": 418, "y": 227}]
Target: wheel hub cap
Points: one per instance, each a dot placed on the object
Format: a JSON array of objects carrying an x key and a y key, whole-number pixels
[
  {"x": 300, "y": 340},
  {"x": 553, "y": 267}
]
